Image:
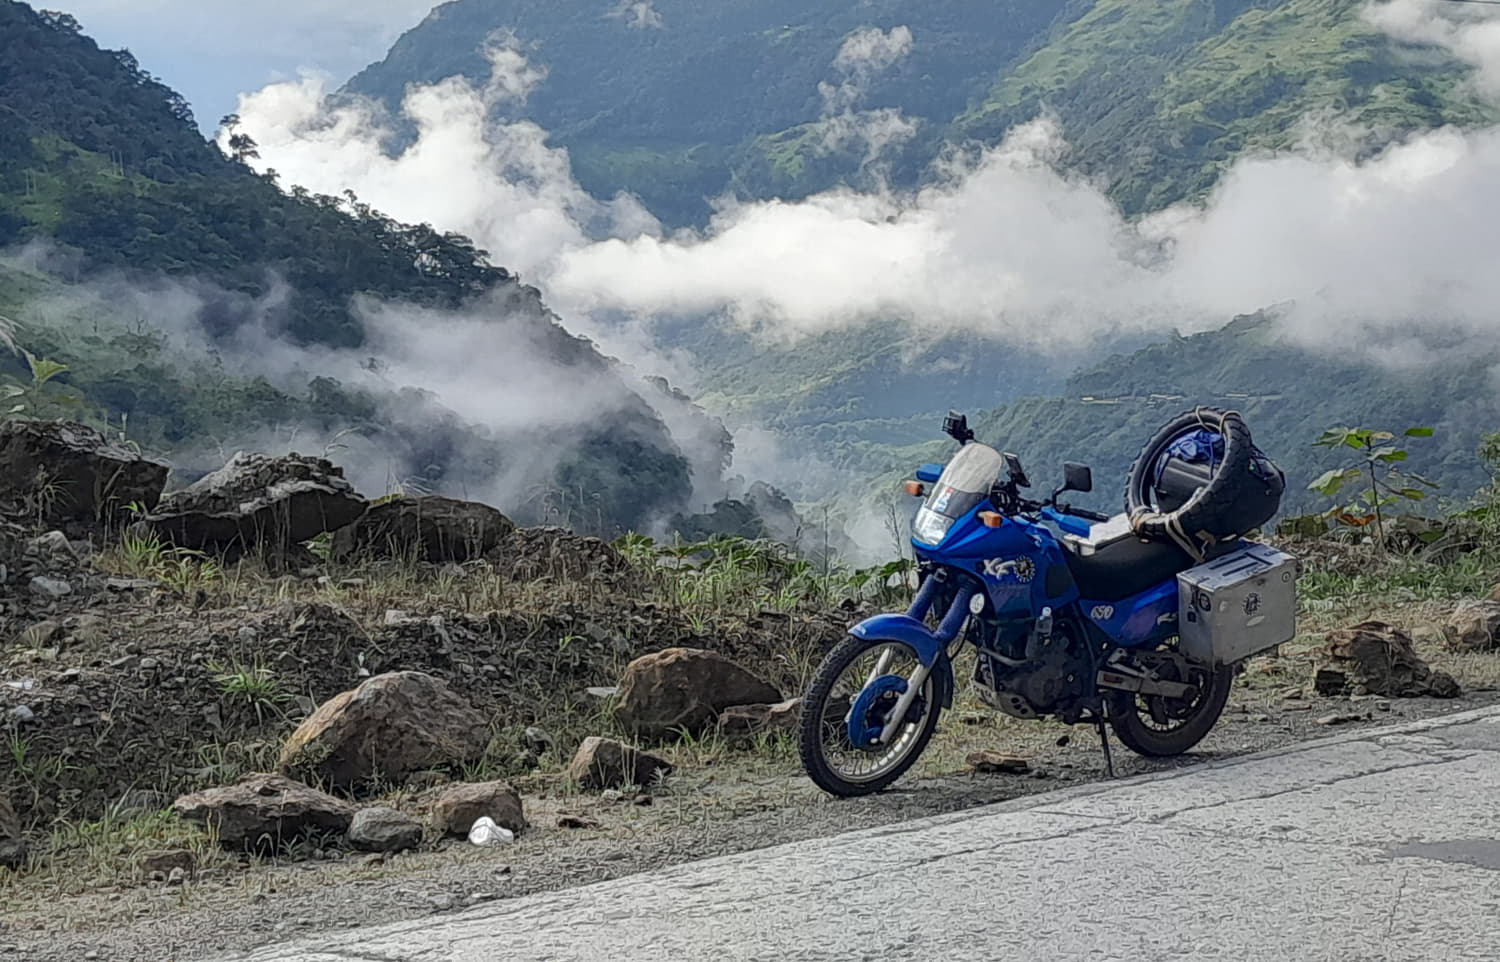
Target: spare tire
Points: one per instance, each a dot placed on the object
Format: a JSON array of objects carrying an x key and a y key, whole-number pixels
[{"x": 1239, "y": 491}]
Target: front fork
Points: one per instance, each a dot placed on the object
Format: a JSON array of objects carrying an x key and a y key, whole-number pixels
[{"x": 947, "y": 632}]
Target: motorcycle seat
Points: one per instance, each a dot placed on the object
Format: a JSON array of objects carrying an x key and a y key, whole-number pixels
[{"x": 1123, "y": 567}]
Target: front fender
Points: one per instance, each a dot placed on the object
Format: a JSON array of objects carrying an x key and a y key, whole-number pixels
[{"x": 910, "y": 631}]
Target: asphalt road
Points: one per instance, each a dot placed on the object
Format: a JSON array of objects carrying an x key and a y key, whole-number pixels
[{"x": 1380, "y": 845}]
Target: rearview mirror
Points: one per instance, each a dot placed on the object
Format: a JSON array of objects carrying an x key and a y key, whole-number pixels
[
  {"x": 956, "y": 426},
  {"x": 1077, "y": 477}
]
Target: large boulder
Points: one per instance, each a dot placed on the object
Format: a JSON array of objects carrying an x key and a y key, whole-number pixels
[
  {"x": 12, "y": 843},
  {"x": 264, "y": 810},
  {"x": 70, "y": 472},
  {"x": 1374, "y": 658},
  {"x": 605, "y": 763},
  {"x": 256, "y": 499},
  {"x": 384, "y": 830},
  {"x": 684, "y": 688},
  {"x": 431, "y": 528},
  {"x": 1473, "y": 626},
  {"x": 460, "y": 806},
  {"x": 389, "y": 727}
]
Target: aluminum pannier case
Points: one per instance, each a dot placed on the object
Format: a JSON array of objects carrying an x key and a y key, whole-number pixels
[{"x": 1237, "y": 605}]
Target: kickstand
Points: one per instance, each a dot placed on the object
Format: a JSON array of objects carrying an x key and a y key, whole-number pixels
[{"x": 1109, "y": 762}]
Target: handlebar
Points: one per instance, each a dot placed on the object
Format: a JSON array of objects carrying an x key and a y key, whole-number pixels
[{"x": 1008, "y": 501}]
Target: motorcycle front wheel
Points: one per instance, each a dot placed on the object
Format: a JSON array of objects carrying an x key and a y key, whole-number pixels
[
  {"x": 1159, "y": 727},
  {"x": 851, "y": 696}
]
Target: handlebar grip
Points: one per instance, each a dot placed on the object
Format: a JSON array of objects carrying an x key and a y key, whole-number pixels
[{"x": 1088, "y": 515}]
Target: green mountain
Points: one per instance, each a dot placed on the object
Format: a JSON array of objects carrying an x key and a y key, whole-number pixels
[
  {"x": 1156, "y": 98},
  {"x": 103, "y": 164},
  {"x": 1287, "y": 394}
]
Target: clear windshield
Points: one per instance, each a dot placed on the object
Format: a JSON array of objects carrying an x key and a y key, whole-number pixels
[{"x": 965, "y": 482}]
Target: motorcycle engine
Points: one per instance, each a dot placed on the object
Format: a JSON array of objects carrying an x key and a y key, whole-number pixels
[{"x": 1057, "y": 679}]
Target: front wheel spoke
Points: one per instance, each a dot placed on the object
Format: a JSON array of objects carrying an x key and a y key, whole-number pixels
[{"x": 863, "y": 765}]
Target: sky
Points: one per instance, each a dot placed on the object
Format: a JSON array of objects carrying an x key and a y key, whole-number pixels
[{"x": 210, "y": 51}]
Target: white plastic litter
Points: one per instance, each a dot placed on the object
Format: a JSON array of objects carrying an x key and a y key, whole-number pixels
[{"x": 484, "y": 831}]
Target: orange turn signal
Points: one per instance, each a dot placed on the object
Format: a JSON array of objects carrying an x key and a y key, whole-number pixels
[
  {"x": 915, "y": 488},
  {"x": 991, "y": 519}
]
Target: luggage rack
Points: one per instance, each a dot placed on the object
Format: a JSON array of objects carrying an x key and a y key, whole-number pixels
[{"x": 1101, "y": 535}]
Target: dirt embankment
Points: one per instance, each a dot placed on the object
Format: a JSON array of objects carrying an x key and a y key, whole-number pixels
[{"x": 132, "y": 671}]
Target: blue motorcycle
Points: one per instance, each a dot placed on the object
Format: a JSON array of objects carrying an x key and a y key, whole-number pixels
[{"x": 1138, "y": 621}]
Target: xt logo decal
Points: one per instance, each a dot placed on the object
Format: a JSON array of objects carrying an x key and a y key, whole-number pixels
[
  {"x": 1102, "y": 612},
  {"x": 1023, "y": 569}
]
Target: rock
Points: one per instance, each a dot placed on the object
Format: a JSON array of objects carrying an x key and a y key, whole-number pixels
[
  {"x": 1473, "y": 626},
  {"x": 53, "y": 548},
  {"x": 460, "y": 806},
  {"x": 430, "y": 528},
  {"x": 570, "y": 820},
  {"x": 168, "y": 861},
  {"x": 176, "y": 877},
  {"x": 258, "y": 500},
  {"x": 72, "y": 473},
  {"x": 1340, "y": 718},
  {"x": 684, "y": 688},
  {"x": 991, "y": 761},
  {"x": 384, "y": 830},
  {"x": 41, "y": 634},
  {"x": 605, "y": 763},
  {"x": 20, "y": 715},
  {"x": 1330, "y": 682},
  {"x": 537, "y": 740},
  {"x": 131, "y": 584},
  {"x": 52, "y": 588},
  {"x": 390, "y": 726},
  {"x": 1374, "y": 658},
  {"x": 264, "y": 810},
  {"x": 747, "y": 721},
  {"x": 12, "y": 843}
]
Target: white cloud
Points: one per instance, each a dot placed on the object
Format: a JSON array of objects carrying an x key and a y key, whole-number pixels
[
  {"x": 1009, "y": 244},
  {"x": 863, "y": 55},
  {"x": 870, "y": 50},
  {"x": 637, "y": 14},
  {"x": 499, "y": 183}
]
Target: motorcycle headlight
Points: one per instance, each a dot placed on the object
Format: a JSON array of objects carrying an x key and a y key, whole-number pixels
[{"x": 929, "y": 526}]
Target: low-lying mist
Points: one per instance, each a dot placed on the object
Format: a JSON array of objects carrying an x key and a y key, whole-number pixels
[{"x": 484, "y": 402}]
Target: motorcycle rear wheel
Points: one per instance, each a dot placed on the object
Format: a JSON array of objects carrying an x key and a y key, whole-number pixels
[
  {"x": 1138, "y": 723},
  {"x": 828, "y": 754}
]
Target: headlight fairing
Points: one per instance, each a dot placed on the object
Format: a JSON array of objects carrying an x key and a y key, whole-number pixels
[{"x": 929, "y": 526}]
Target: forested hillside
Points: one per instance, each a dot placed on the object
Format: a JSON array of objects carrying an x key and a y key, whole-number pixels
[
  {"x": 696, "y": 99},
  {"x": 1288, "y": 395},
  {"x": 101, "y": 163}
]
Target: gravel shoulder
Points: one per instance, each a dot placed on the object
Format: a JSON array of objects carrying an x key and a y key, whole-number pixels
[{"x": 733, "y": 802}]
